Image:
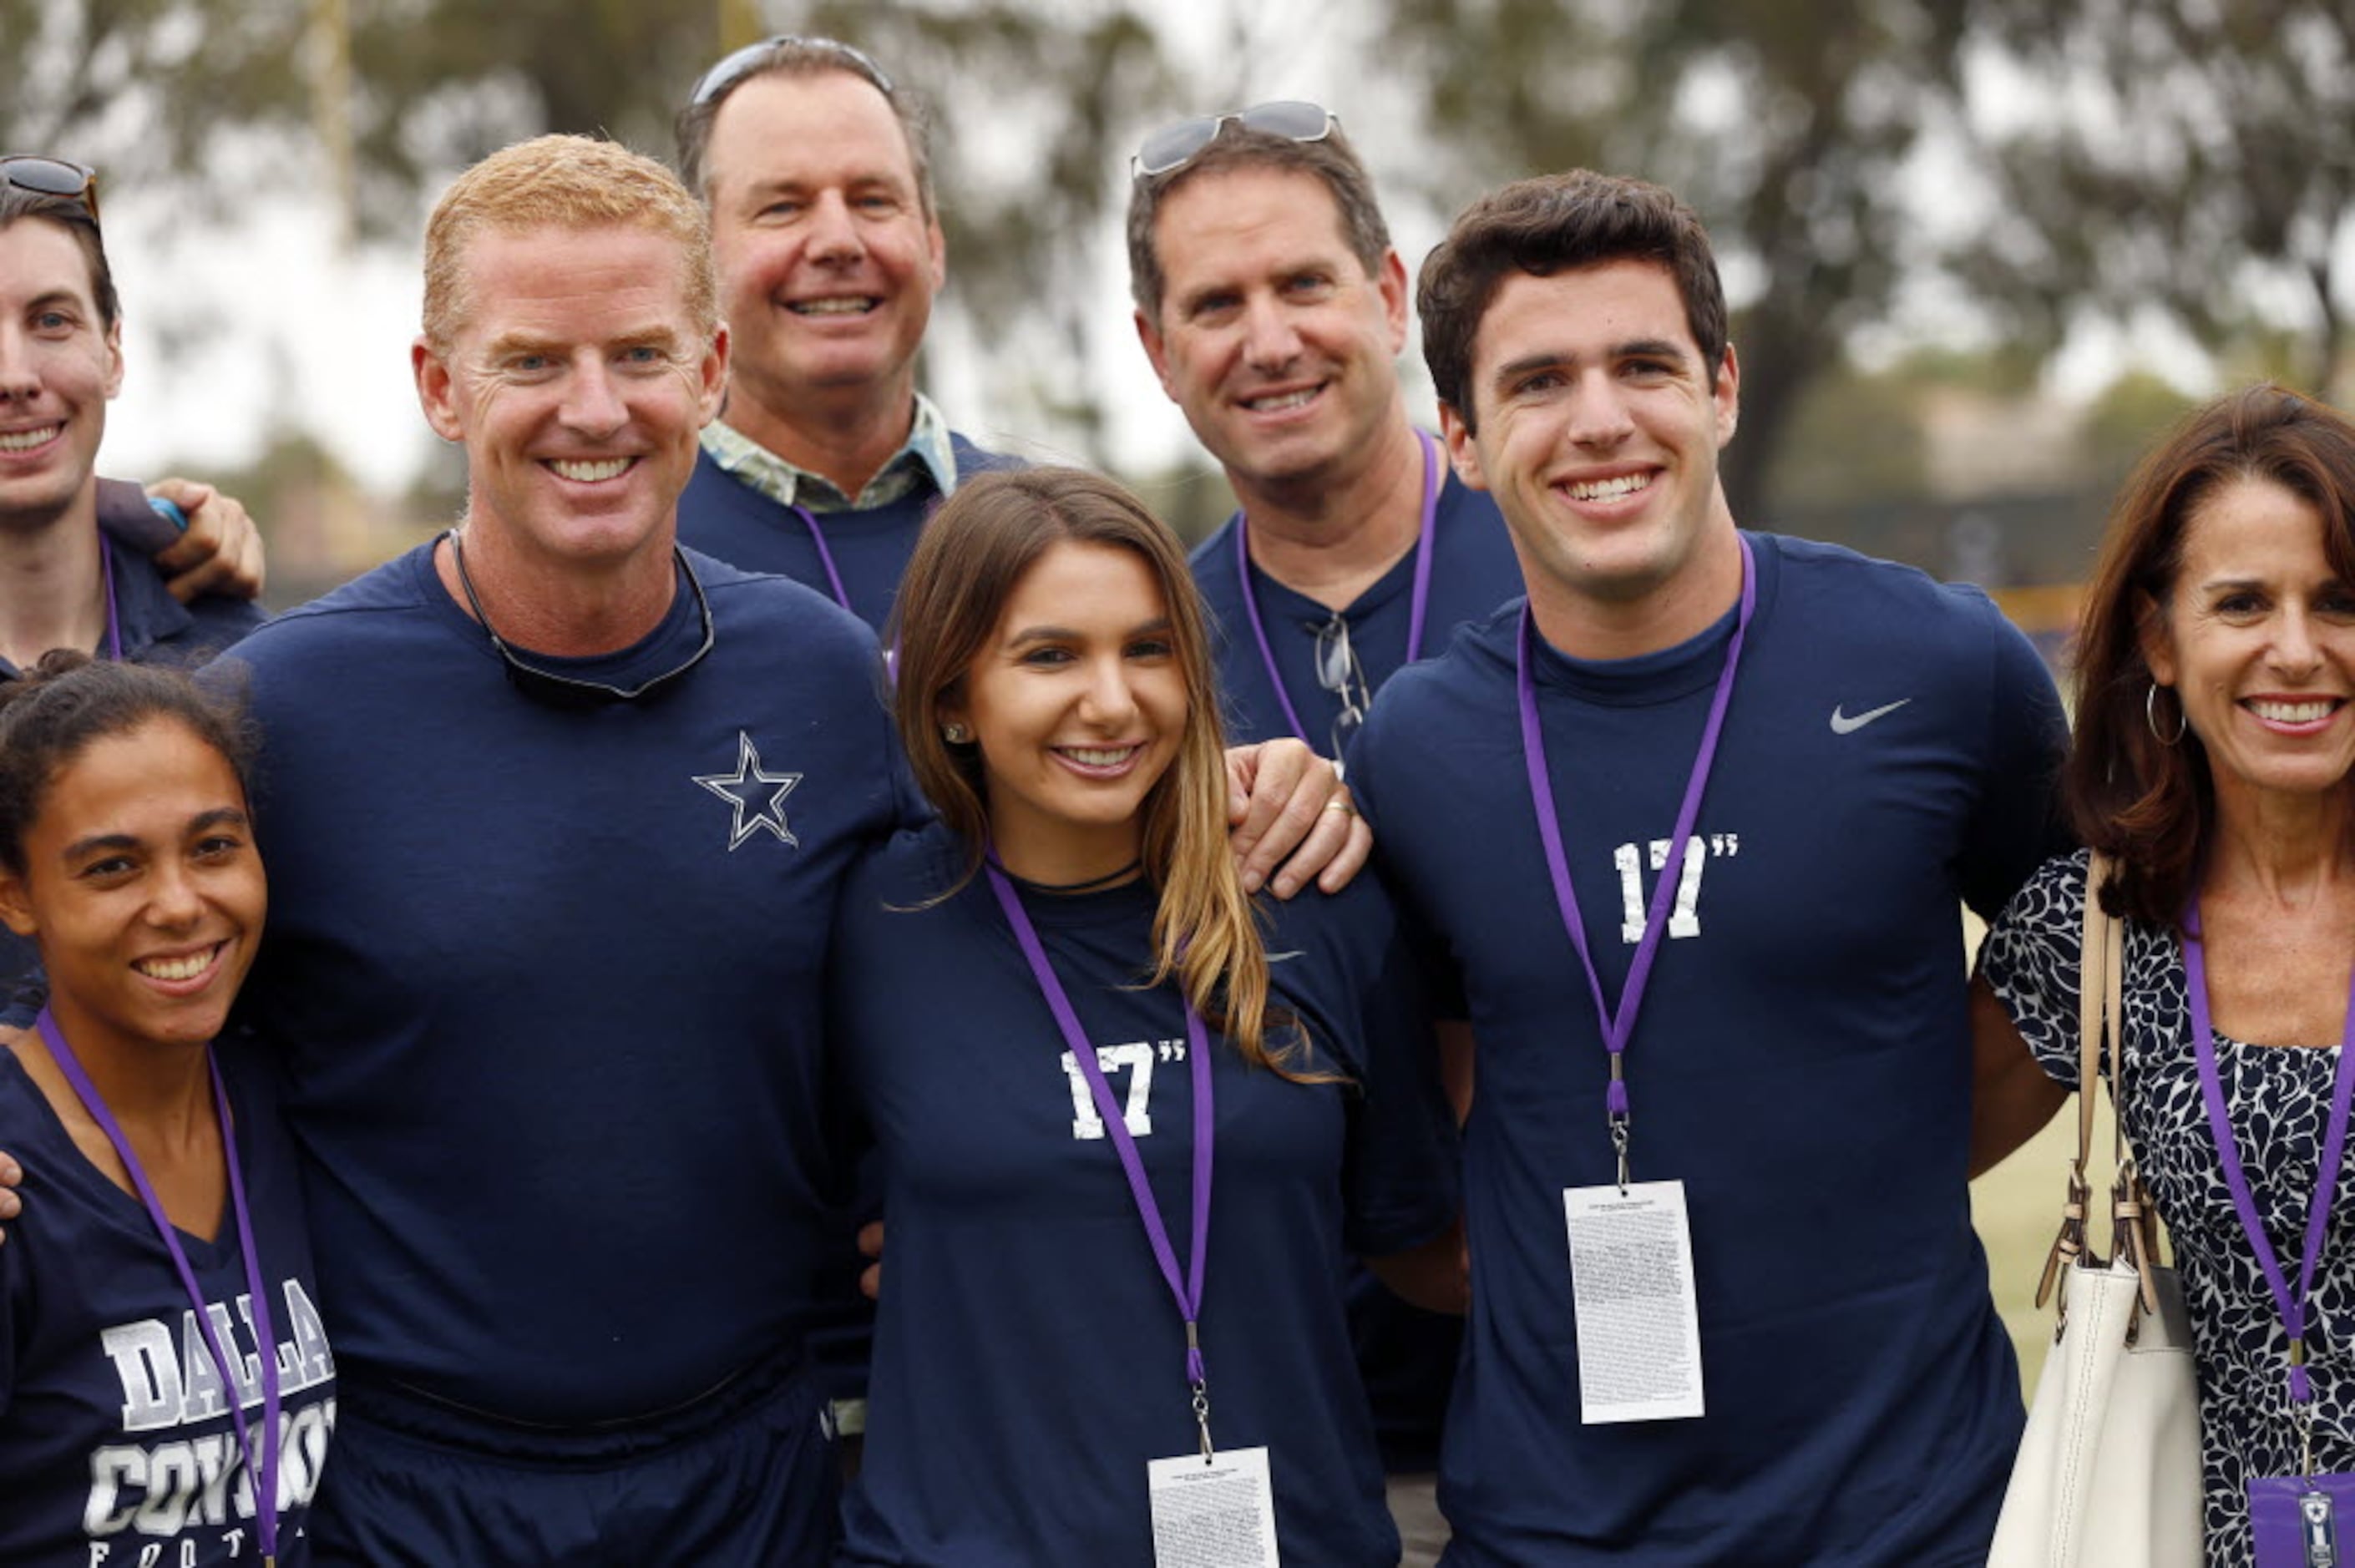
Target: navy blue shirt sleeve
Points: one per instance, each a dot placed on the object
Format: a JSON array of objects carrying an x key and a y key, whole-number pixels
[
  {"x": 1438, "y": 979},
  {"x": 1341, "y": 960},
  {"x": 2018, "y": 825}
]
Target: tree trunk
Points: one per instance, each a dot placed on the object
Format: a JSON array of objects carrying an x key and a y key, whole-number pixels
[
  {"x": 2328, "y": 381},
  {"x": 1780, "y": 359}
]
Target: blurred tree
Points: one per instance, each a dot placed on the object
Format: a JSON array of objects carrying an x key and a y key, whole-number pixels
[
  {"x": 2183, "y": 155},
  {"x": 1856, "y": 440},
  {"x": 2003, "y": 369},
  {"x": 392, "y": 98},
  {"x": 322, "y": 525},
  {"x": 2123, "y": 421},
  {"x": 1785, "y": 124},
  {"x": 1191, "y": 496},
  {"x": 234, "y": 95}
]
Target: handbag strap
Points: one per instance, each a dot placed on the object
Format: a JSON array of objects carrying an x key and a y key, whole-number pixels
[
  {"x": 2097, "y": 990},
  {"x": 2101, "y": 1012},
  {"x": 2133, "y": 1215}
]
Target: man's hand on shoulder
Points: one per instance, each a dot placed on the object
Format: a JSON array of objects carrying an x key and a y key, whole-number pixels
[
  {"x": 1292, "y": 818},
  {"x": 219, "y": 553}
]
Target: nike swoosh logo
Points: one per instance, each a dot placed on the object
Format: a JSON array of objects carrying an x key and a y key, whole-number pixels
[{"x": 1843, "y": 725}]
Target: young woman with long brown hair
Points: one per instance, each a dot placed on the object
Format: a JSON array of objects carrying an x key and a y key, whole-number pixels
[{"x": 1062, "y": 983}]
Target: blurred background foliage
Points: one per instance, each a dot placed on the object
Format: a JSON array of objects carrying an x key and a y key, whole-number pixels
[
  {"x": 1785, "y": 123},
  {"x": 1921, "y": 205}
]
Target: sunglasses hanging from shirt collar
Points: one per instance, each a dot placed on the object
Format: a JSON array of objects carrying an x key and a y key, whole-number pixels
[{"x": 572, "y": 691}]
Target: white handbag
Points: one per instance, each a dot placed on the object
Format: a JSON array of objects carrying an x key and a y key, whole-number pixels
[{"x": 2108, "y": 1470}]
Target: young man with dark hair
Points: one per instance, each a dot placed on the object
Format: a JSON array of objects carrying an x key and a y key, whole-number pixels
[
  {"x": 63, "y": 364},
  {"x": 1733, "y": 790},
  {"x": 64, "y": 583}
]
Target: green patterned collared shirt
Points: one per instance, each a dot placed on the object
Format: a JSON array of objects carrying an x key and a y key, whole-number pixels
[{"x": 926, "y": 452}]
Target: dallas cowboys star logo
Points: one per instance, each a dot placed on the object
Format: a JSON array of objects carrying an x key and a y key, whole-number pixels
[{"x": 758, "y": 797}]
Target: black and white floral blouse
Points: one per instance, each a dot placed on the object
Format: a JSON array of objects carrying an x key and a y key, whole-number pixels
[{"x": 2280, "y": 1100}]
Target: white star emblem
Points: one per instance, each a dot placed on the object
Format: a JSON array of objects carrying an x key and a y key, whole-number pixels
[{"x": 749, "y": 790}]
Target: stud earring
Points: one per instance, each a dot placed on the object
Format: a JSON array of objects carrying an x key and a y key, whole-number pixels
[{"x": 956, "y": 734}]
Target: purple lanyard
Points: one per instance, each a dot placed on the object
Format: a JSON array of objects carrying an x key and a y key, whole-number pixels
[
  {"x": 2293, "y": 1308},
  {"x": 824, "y": 557},
  {"x": 113, "y": 619},
  {"x": 1188, "y": 1289},
  {"x": 265, "y": 1475},
  {"x": 841, "y": 594},
  {"x": 1617, "y": 1027},
  {"x": 1418, "y": 605}
]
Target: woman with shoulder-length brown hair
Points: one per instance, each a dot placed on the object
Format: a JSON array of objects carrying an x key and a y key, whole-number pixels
[
  {"x": 1128, "y": 1138},
  {"x": 2215, "y": 740}
]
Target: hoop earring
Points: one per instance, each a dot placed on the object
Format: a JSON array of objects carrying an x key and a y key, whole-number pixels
[{"x": 2150, "y": 718}]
